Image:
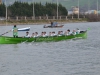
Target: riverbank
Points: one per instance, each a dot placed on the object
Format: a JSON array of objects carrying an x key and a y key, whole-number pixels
[{"x": 40, "y": 22}]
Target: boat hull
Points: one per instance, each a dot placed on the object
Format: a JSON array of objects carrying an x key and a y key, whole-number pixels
[
  {"x": 60, "y": 26},
  {"x": 12, "y": 40},
  {"x": 24, "y": 29}
]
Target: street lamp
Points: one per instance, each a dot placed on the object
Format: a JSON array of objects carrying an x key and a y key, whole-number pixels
[
  {"x": 57, "y": 9},
  {"x": 88, "y": 6},
  {"x": 33, "y": 10},
  {"x": 78, "y": 9},
  {"x": 6, "y": 9},
  {"x": 57, "y": 6},
  {"x": 97, "y": 8}
]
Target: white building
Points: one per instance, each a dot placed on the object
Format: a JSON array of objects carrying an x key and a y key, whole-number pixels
[
  {"x": 75, "y": 10},
  {"x": 91, "y": 12}
]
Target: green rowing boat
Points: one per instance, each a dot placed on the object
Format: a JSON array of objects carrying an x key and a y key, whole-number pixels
[{"x": 12, "y": 40}]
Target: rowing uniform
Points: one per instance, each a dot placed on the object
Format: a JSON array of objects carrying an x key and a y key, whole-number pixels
[
  {"x": 54, "y": 34},
  {"x": 59, "y": 35},
  {"x": 78, "y": 31},
  {"x": 36, "y": 36},
  {"x": 74, "y": 33},
  {"x": 27, "y": 36},
  {"x": 69, "y": 33}
]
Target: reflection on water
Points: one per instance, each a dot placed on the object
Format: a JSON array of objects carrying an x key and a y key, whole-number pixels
[{"x": 72, "y": 57}]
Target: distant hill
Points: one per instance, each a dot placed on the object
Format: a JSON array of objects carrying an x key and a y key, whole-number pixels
[{"x": 84, "y": 4}]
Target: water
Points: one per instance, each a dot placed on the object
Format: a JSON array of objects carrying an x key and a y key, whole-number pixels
[{"x": 72, "y": 57}]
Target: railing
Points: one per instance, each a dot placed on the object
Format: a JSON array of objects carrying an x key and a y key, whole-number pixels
[{"x": 43, "y": 18}]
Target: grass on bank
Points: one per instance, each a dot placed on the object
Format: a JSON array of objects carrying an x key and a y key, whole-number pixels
[{"x": 12, "y": 22}]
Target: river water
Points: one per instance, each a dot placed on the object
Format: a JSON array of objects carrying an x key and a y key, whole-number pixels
[{"x": 72, "y": 57}]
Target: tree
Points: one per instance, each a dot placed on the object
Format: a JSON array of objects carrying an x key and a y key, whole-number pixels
[
  {"x": 2, "y": 10},
  {"x": 25, "y": 9}
]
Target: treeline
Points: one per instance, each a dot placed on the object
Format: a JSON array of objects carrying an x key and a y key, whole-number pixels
[{"x": 26, "y": 9}]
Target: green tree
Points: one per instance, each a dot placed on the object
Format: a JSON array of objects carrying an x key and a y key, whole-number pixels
[
  {"x": 2, "y": 10},
  {"x": 25, "y": 9}
]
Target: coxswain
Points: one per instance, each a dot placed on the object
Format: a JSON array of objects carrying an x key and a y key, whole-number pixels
[{"x": 15, "y": 31}]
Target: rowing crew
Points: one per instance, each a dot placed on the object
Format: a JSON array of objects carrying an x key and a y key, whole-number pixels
[{"x": 60, "y": 33}]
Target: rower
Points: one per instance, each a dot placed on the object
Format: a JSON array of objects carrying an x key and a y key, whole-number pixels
[
  {"x": 15, "y": 31},
  {"x": 66, "y": 33},
  {"x": 77, "y": 31},
  {"x": 59, "y": 33},
  {"x": 50, "y": 33},
  {"x": 27, "y": 34},
  {"x": 45, "y": 34},
  {"x": 33, "y": 35},
  {"x": 36, "y": 34},
  {"x": 74, "y": 32},
  {"x": 69, "y": 33},
  {"x": 42, "y": 33},
  {"x": 54, "y": 34}
]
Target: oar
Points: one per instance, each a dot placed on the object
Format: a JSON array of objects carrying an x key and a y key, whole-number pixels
[{"x": 6, "y": 32}]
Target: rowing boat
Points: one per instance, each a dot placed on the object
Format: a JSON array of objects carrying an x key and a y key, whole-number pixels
[
  {"x": 60, "y": 26},
  {"x": 24, "y": 29},
  {"x": 12, "y": 40}
]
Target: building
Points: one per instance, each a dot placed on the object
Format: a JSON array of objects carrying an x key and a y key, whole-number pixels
[
  {"x": 91, "y": 12},
  {"x": 75, "y": 10},
  {"x": 0, "y": 1},
  {"x": 70, "y": 12}
]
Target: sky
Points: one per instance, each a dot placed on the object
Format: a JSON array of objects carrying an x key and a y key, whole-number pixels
[{"x": 12, "y": 1}]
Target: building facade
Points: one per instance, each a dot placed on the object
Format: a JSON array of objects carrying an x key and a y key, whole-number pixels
[{"x": 75, "y": 10}]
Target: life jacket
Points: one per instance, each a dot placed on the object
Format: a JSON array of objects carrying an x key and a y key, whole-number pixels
[{"x": 15, "y": 31}]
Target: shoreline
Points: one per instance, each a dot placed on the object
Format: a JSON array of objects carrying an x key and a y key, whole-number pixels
[{"x": 39, "y": 22}]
